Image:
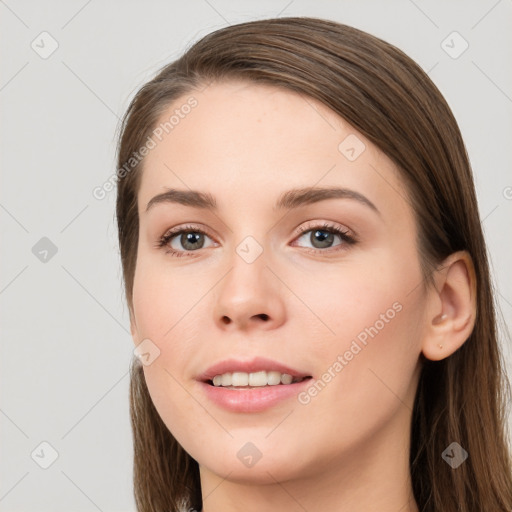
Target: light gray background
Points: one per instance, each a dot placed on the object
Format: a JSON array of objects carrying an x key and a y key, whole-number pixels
[{"x": 66, "y": 345}]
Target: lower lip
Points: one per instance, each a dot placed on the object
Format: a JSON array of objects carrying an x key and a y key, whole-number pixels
[{"x": 252, "y": 399}]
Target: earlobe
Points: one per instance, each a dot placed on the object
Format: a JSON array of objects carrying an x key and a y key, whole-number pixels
[{"x": 452, "y": 307}]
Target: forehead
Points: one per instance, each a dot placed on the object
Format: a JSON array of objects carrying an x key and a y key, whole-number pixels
[{"x": 243, "y": 141}]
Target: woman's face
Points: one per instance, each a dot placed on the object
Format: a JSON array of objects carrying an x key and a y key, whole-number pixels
[{"x": 268, "y": 280}]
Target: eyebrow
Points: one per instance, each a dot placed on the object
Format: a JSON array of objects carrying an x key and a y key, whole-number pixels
[{"x": 289, "y": 200}]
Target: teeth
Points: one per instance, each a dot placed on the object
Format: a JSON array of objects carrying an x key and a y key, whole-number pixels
[
  {"x": 239, "y": 379},
  {"x": 273, "y": 378},
  {"x": 286, "y": 379},
  {"x": 256, "y": 379}
]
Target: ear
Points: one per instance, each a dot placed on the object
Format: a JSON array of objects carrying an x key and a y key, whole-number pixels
[{"x": 451, "y": 310}]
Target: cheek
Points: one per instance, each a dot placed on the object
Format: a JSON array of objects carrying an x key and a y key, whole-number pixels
[
  {"x": 164, "y": 300},
  {"x": 367, "y": 338},
  {"x": 167, "y": 312},
  {"x": 362, "y": 301},
  {"x": 176, "y": 407}
]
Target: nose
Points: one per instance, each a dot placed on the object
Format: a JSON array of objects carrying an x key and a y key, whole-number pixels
[{"x": 250, "y": 297}]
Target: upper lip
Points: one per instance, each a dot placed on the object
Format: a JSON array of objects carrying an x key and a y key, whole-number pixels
[{"x": 253, "y": 365}]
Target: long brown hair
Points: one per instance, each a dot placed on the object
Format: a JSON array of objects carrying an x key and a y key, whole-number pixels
[{"x": 392, "y": 102}]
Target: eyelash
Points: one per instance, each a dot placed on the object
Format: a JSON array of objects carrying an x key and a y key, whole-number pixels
[{"x": 335, "y": 230}]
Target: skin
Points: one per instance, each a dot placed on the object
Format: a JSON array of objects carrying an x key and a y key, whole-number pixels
[{"x": 348, "y": 448}]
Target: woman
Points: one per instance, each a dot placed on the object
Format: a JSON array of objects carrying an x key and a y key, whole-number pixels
[{"x": 308, "y": 283}]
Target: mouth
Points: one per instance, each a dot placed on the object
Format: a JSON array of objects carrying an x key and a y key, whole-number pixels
[
  {"x": 255, "y": 373},
  {"x": 244, "y": 380},
  {"x": 251, "y": 386}
]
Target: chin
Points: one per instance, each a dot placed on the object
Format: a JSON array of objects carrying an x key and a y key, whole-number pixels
[{"x": 261, "y": 473}]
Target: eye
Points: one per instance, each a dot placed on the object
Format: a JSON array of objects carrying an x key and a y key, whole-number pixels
[
  {"x": 190, "y": 238},
  {"x": 324, "y": 236},
  {"x": 185, "y": 240}
]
